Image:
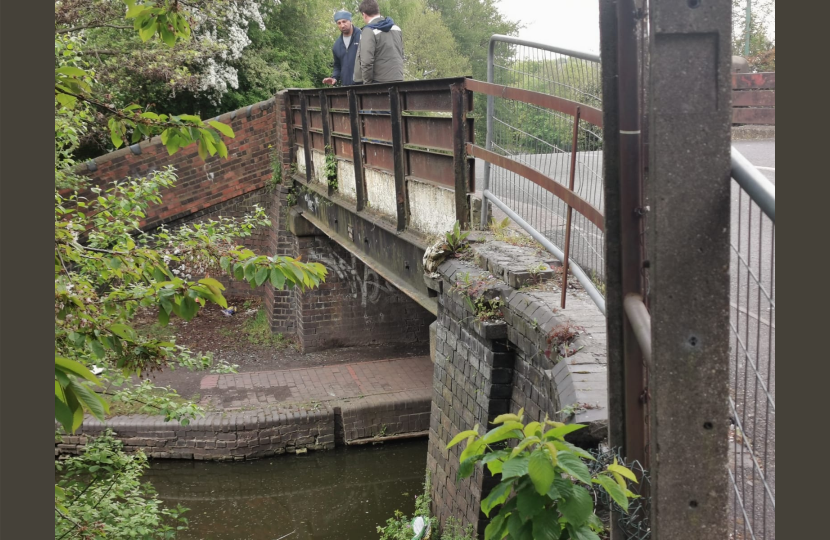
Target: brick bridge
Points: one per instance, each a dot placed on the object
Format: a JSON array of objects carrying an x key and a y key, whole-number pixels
[{"x": 370, "y": 227}]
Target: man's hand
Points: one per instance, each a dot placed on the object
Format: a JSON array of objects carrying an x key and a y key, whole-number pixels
[{"x": 329, "y": 81}]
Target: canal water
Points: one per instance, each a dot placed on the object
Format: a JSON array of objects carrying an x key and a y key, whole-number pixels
[{"x": 342, "y": 494}]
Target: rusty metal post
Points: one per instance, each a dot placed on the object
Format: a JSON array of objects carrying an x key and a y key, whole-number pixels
[
  {"x": 309, "y": 166},
  {"x": 327, "y": 139},
  {"x": 689, "y": 156},
  {"x": 613, "y": 259},
  {"x": 357, "y": 154},
  {"x": 571, "y": 182},
  {"x": 459, "y": 142},
  {"x": 399, "y": 155}
]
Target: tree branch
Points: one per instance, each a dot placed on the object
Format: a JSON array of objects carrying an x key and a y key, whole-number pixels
[{"x": 76, "y": 28}]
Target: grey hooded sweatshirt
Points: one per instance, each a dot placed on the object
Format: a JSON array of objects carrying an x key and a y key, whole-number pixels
[{"x": 380, "y": 53}]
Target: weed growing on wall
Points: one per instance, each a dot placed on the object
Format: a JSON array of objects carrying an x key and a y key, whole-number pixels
[
  {"x": 545, "y": 489},
  {"x": 330, "y": 169}
]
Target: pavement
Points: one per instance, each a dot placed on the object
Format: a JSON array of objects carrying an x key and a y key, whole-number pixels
[{"x": 308, "y": 388}]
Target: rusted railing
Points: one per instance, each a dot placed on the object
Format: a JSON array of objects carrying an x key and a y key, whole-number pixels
[
  {"x": 398, "y": 149},
  {"x": 547, "y": 131}
]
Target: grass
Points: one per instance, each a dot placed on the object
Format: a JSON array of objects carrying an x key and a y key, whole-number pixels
[
  {"x": 157, "y": 331},
  {"x": 258, "y": 331}
]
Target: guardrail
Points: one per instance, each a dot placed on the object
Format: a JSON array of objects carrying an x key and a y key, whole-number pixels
[
  {"x": 752, "y": 358},
  {"x": 544, "y": 139}
]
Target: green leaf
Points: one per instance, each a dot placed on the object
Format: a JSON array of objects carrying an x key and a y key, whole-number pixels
[
  {"x": 277, "y": 278},
  {"x": 463, "y": 435},
  {"x": 503, "y": 432},
  {"x": 622, "y": 470},
  {"x": 213, "y": 284},
  {"x": 505, "y": 417},
  {"x": 189, "y": 308},
  {"x": 468, "y": 466},
  {"x": 71, "y": 71},
  {"x": 533, "y": 429},
  {"x": 497, "y": 528},
  {"x": 614, "y": 490},
  {"x": 472, "y": 449},
  {"x": 71, "y": 366},
  {"x": 63, "y": 414},
  {"x": 529, "y": 503},
  {"x": 123, "y": 331},
  {"x": 97, "y": 348},
  {"x": 541, "y": 471},
  {"x": 583, "y": 532},
  {"x": 250, "y": 271},
  {"x": 91, "y": 401},
  {"x": 239, "y": 271},
  {"x": 546, "y": 526},
  {"x": 497, "y": 496},
  {"x": 560, "y": 432},
  {"x": 524, "y": 444},
  {"x": 574, "y": 466},
  {"x": 225, "y": 263},
  {"x": 515, "y": 466},
  {"x": 563, "y": 445},
  {"x": 261, "y": 275},
  {"x": 577, "y": 507},
  {"x": 164, "y": 316},
  {"x": 224, "y": 129}
]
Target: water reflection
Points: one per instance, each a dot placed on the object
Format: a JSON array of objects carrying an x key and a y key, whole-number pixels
[{"x": 337, "y": 495}]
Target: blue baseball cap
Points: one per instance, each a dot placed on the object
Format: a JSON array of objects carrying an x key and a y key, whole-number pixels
[{"x": 340, "y": 15}]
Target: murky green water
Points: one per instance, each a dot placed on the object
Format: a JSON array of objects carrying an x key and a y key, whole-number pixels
[{"x": 337, "y": 495}]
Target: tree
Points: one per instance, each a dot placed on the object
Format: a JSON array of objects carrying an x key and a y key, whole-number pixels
[
  {"x": 106, "y": 268},
  {"x": 761, "y": 56}
]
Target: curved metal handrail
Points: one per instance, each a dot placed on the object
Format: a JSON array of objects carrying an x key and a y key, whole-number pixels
[{"x": 759, "y": 188}]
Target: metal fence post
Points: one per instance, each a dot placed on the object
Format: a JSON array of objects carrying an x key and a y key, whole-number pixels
[
  {"x": 485, "y": 217},
  {"x": 689, "y": 91}
]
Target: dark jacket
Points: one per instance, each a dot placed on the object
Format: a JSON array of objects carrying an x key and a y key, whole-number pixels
[
  {"x": 344, "y": 58},
  {"x": 380, "y": 57}
]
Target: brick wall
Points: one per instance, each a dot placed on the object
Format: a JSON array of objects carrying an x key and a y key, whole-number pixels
[
  {"x": 355, "y": 306},
  {"x": 486, "y": 369}
]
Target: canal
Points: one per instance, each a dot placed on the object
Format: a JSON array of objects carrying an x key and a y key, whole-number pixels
[{"x": 341, "y": 494}]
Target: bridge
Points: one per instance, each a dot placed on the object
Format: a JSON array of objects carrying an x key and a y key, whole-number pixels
[{"x": 634, "y": 204}]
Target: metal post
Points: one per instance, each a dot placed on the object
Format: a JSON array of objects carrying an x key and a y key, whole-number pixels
[
  {"x": 485, "y": 217},
  {"x": 566, "y": 259},
  {"x": 631, "y": 229},
  {"x": 306, "y": 138},
  {"x": 399, "y": 156},
  {"x": 689, "y": 89},
  {"x": 748, "y": 28},
  {"x": 357, "y": 154},
  {"x": 328, "y": 142},
  {"x": 459, "y": 136}
]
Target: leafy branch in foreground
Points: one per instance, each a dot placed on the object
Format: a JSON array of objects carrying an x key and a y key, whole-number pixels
[{"x": 542, "y": 493}]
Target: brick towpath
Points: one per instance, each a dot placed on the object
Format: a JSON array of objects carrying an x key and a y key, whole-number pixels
[{"x": 308, "y": 388}]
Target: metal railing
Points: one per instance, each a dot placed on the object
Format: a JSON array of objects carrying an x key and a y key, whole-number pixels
[
  {"x": 752, "y": 353},
  {"x": 543, "y": 156}
]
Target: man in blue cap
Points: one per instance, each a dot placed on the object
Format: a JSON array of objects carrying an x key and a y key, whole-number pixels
[{"x": 344, "y": 50}]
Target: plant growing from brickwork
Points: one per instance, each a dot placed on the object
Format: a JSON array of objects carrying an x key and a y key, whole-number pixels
[
  {"x": 560, "y": 338},
  {"x": 545, "y": 489},
  {"x": 399, "y": 527},
  {"x": 330, "y": 169},
  {"x": 276, "y": 169},
  {"x": 455, "y": 238}
]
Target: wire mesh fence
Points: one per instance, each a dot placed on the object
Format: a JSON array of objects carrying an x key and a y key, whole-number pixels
[
  {"x": 752, "y": 370},
  {"x": 544, "y": 139}
]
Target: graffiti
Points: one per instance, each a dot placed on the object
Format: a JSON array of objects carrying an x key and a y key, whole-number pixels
[{"x": 370, "y": 286}]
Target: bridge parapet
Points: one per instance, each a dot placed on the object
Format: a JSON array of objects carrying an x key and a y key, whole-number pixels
[{"x": 409, "y": 138}]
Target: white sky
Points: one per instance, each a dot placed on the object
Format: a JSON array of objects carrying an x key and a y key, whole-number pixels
[{"x": 572, "y": 24}]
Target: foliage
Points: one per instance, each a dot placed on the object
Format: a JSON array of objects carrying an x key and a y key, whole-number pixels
[
  {"x": 453, "y": 530},
  {"x": 258, "y": 331},
  {"x": 330, "y": 168},
  {"x": 276, "y": 169},
  {"x": 761, "y": 55},
  {"x": 455, "y": 238},
  {"x": 560, "y": 338},
  {"x": 544, "y": 489},
  {"x": 399, "y": 527},
  {"x": 100, "y": 495}
]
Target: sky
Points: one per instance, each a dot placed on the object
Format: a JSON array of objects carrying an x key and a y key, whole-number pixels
[{"x": 571, "y": 24}]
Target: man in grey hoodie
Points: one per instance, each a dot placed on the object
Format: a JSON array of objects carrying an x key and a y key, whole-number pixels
[{"x": 380, "y": 52}]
